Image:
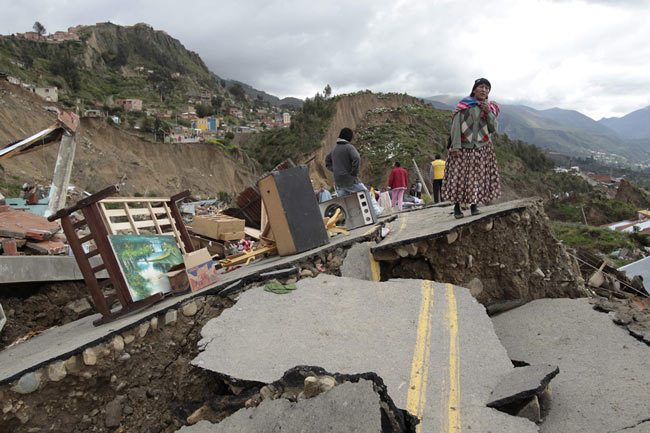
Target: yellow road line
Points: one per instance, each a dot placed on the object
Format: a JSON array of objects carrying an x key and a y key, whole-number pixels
[
  {"x": 374, "y": 266},
  {"x": 416, "y": 398},
  {"x": 402, "y": 226},
  {"x": 453, "y": 404}
]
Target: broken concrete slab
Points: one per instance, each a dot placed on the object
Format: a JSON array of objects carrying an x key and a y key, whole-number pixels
[
  {"x": 605, "y": 371},
  {"x": 30, "y": 269},
  {"x": 359, "y": 263},
  {"x": 24, "y": 225},
  {"x": 348, "y": 407},
  {"x": 414, "y": 334},
  {"x": 521, "y": 384}
]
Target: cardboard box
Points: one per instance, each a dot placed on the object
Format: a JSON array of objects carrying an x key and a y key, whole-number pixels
[
  {"x": 197, "y": 271},
  {"x": 221, "y": 227}
]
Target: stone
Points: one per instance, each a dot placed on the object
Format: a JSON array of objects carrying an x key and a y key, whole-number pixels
[
  {"x": 80, "y": 306},
  {"x": 189, "y": 309},
  {"x": 291, "y": 280},
  {"x": 199, "y": 414},
  {"x": 312, "y": 387},
  {"x": 89, "y": 356},
  {"x": 118, "y": 344},
  {"x": 28, "y": 383},
  {"x": 56, "y": 371},
  {"x": 470, "y": 261},
  {"x": 514, "y": 218},
  {"x": 306, "y": 273},
  {"x": 125, "y": 357},
  {"x": 143, "y": 329},
  {"x": 113, "y": 413},
  {"x": 545, "y": 400},
  {"x": 128, "y": 410},
  {"x": 170, "y": 317},
  {"x": 154, "y": 324},
  {"x": 301, "y": 396},
  {"x": 72, "y": 364},
  {"x": 452, "y": 237},
  {"x": 128, "y": 338},
  {"x": 539, "y": 273},
  {"x": 325, "y": 383},
  {"x": 254, "y": 401},
  {"x": 423, "y": 247},
  {"x": 7, "y": 406},
  {"x": 267, "y": 392},
  {"x": 489, "y": 226},
  {"x": 288, "y": 395},
  {"x": 385, "y": 255},
  {"x": 475, "y": 287},
  {"x": 531, "y": 410}
]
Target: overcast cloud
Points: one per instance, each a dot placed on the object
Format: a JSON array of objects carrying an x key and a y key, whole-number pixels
[{"x": 591, "y": 56}]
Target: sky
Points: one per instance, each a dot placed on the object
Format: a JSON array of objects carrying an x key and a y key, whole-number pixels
[{"x": 591, "y": 56}]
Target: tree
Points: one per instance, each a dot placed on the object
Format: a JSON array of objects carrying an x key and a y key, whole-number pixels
[
  {"x": 204, "y": 110},
  {"x": 217, "y": 102},
  {"x": 38, "y": 28},
  {"x": 328, "y": 91},
  {"x": 237, "y": 91}
]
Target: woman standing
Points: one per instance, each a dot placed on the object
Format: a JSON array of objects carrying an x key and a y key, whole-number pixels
[
  {"x": 471, "y": 174},
  {"x": 398, "y": 181}
]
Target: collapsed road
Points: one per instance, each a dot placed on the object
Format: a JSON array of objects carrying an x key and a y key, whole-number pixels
[{"x": 148, "y": 371}]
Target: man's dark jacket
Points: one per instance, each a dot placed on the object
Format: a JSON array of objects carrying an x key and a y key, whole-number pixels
[{"x": 344, "y": 162}]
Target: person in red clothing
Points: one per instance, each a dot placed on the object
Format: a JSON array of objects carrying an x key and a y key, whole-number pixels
[{"x": 398, "y": 181}]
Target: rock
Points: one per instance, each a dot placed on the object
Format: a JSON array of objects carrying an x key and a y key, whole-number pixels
[
  {"x": 199, "y": 414},
  {"x": 470, "y": 261},
  {"x": 489, "y": 226},
  {"x": 80, "y": 306},
  {"x": 267, "y": 392},
  {"x": 301, "y": 396},
  {"x": 22, "y": 416},
  {"x": 291, "y": 280},
  {"x": 28, "y": 383},
  {"x": 72, "y": 364},
  {"x": 475, "y": 287},
  {"x": 325, "y": 383},
  {"x": 118, "y": 343},
  {"x": 113, "y": 413},
  {"x": 7, "y": 406},
  {"x": 128, "y": 338},
  {"x": 452, "y": 237},
  {"x": 254, "y": 401},
  {"x": 128, "y": 410},
  {"x": 125, "y": 357},
  {"x": 408, "y": 250},
  {"x": 89, "y": 356},
  {"x": 522, "y": 383},
  {"x": 423, "y": 247},
  {"x": 621, "y": 318},
  {"x": 385, "y": 255},
  {"x": 312, "y": 388},
  {"x": 143, "y": 329},
  {"x": 306, "y": 273},
  {"x": 288, "y": 395},
  {"x": 56, "y": 371},
  {"x": 170, "y": 317},
  {"x": 545, "y": 400},
  {"x": 531, "y": 410},
  {"x": 190, "y": 309},
  {"x": 514, "y": 218},
  {"x": 154, "y": 323},
  {"x": 539, "y": 273}
]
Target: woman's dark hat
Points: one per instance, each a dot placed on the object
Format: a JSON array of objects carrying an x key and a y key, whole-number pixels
[{"x": 479, "y": 82}]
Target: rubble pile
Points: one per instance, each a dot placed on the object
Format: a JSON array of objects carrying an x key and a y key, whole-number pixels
[{"x": 25, "y": 233}]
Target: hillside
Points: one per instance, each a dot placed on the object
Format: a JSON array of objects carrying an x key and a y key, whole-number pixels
[{"x": 106, "y": 154}]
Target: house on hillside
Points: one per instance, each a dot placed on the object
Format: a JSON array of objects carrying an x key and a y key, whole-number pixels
[
  {"x": 49, "y": 93},
  {"x": 93, "y": 113},
  {"x": 639, "y": 225},
  {"x": 236, "y": 112},
  {"x": 130, "y": 104},
  {"x": 286, "y": 119}
]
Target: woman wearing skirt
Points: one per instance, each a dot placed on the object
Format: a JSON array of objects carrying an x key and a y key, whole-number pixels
[{"x": 471, "y": 174}]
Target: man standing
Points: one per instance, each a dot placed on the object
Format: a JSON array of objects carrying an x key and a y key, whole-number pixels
[
  {"x": 437, "y": 173},
  {"x": 344, "y": 162},
  {"x": 418, "y": 188}
]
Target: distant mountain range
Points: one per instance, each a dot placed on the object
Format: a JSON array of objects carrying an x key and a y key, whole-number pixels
[{"x": 571, "y": 132}]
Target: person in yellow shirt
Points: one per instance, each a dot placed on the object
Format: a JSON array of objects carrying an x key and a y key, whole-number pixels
[{"x": 437, "y": 173}]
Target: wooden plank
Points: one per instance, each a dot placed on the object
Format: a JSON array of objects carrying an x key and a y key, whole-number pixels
[
  {"x": 107, "y": 221},
  {"x": 130, "y": 218},
  {"x": 112, "y": 213},
  {"x": 179, "y": 223},
  {"x": 139, "y": 224},
  {"x": 177, "y": 235},
  {"x": 153, "y": 218},
  {"x": 135, "y": 199}
]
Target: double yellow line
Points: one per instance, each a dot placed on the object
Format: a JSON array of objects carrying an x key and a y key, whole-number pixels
[{"x": 417, "y": 392}]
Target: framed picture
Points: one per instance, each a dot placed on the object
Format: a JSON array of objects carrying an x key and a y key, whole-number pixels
[{"x": 144, "y": 259}]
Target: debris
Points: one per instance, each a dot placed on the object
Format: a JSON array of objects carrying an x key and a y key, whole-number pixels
[
  {"x": 219, "y": 227},
  {"x": 3, "y": 318},
  {"x": 279, "y": 289}
]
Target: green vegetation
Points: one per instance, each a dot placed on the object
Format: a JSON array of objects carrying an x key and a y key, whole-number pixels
[
  {"x": 597, "y": 210},
  {"x": 308, "y": 127},
  {"x": 597, "y": 240}
]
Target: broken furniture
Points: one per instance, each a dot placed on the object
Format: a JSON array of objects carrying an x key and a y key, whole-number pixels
[
  {"x": 219, "y": 227},
  {"x": 23, "y": 229},
  {"x": 293, "y": 213},
  {"x": 356, "y": 210},
  {"x": 105, "y": 216}
]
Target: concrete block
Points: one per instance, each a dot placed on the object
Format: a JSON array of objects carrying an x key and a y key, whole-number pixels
[
  {"x": 170, "y": 317},
  {"x": 143, "y": 329},
  {"x": 118, "y": 344},
  {"x": 72, "y": 364},
  {"x": 154, "y": 324}
]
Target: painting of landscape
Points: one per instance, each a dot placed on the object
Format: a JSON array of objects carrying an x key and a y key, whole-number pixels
[{"x": 144, "y": 259}]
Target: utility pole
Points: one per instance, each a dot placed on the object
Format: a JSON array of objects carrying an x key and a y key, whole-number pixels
[
  {"x": 424, "y": 185},
  {"x": 64, "y": 161}
]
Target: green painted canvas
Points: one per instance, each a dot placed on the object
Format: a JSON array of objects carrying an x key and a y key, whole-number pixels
[{"x": 144, "y": 259}]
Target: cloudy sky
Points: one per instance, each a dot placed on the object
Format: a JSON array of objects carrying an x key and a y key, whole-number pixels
[{"x": 591, "y": 56}]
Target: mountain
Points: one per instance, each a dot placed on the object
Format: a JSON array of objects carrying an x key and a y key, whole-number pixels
[
  {"x": 633, "y": 125},
  {"x": 253, "y": 93},
  {"x": 565, "y": 131},
  {"x": 112, "y": 61}
]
